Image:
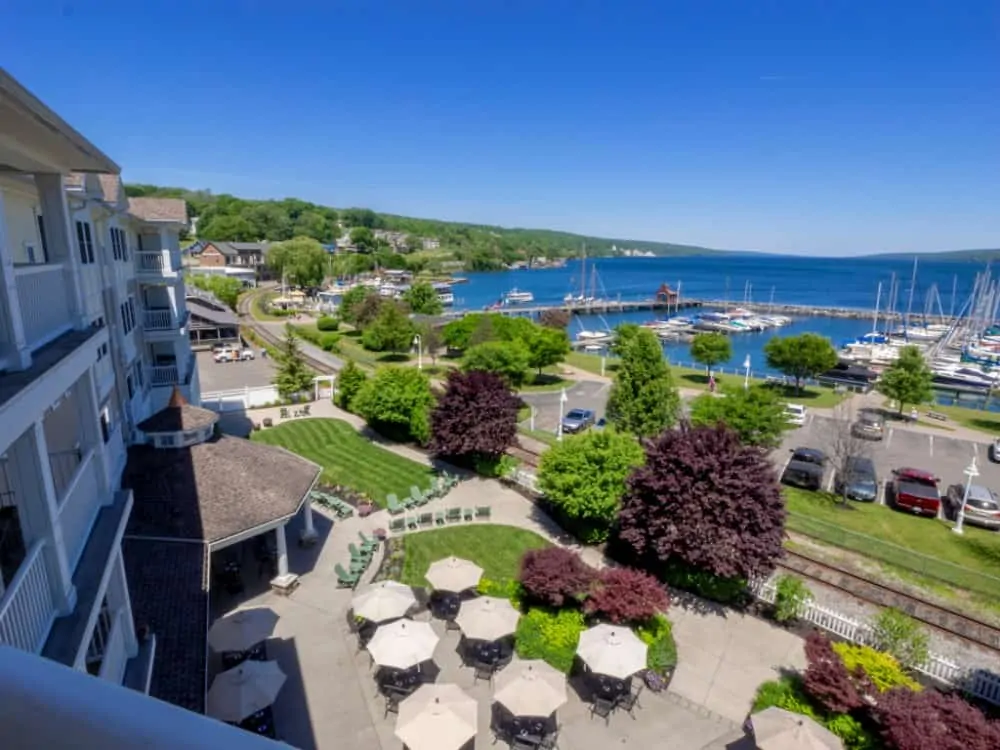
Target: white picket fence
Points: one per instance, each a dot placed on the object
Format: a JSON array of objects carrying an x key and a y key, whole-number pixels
[{"x": 240, "y": 399}]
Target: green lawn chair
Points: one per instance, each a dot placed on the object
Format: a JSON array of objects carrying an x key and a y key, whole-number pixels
[
  {"x": 439, "y": 518},
  {"x": 426, "y": 519},
  {"x": 410, "y": 502},
  {"x": 357, "y": 554},
  {"x": 416, "y": 494},
  {"x": 454, "y": 514},
  {"x": 395, "y": 507},
  {"x": 412, "y": 522},
  {"x": 483, "y": 513},
  {"x": 468, "y": 514},
  {"x": 397, "y": 525},
  {"x": 345, "y": 580},
  {"x": 368, "y": 545}
]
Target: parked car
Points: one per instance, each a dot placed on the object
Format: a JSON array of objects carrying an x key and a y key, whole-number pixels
[
  {"x": 805, "y": 469},
  {"x": 578, "y": 420},
  {"x": 982, "y": 508},
  {"x": 858, "y": 480},
  {"x": 233, "y": 354},
  {"x": 870, "y": 425},
  {"x": 795, "y": 414},
  {"x": 915, "y": 490},
  {"x": 995, "y": 451}
]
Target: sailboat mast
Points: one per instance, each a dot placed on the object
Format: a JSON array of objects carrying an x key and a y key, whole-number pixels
[
  {"x": 878, "y": 300},
  {"x": 771, "y": 304},
  {"x": 583, "y": 273},
  {"x": 909, "y": 304},
  {"x": 954, "y": 292}
]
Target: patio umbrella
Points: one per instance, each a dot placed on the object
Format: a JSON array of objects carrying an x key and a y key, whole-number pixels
[
  {"x": 243, "y": 629},
  {"x": 244, "y": 690},
  {"x": 382, "y": 601},
  {"x": 403, "y": 644},
  {"x": 453, "y": 574},
  {"x": 530, "y": 688},
  {"x": 612, "y": 650},
  {"x": 437, "y": 717},
  {"x": 487, "y": 618},
  {"x": 777, "y": 729}
]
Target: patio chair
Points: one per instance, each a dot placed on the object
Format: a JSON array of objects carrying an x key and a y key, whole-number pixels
[
  {"x": 416, "y": 494},
  {"x": 345, "y": 580},
  {"x": 439, "y": 518},
  {"x": 602, "y": 707},
  {"x": 551, "y": 740},
  {"x": 454, "y": 514},
  {"x": 357, "y": 554},
  {"x": 468, "y": 514},
  {"x": 629, "y": 701},
  {"x": 483, "y": 513},
  {"x": 368, "y": 545},
  {"x": 426, "y": 519},
  {"x": 482, "y": 671},
  {"x": 283, "y": 413},
  {"x": 426, "y": 498},
  {"x": 358, "y": 566},
  {"x": 412, "y": 522},
  {"x": 397, "y": 525},
  {"x": 395, "y": 508},
  {"x": 410, "y": 502}
]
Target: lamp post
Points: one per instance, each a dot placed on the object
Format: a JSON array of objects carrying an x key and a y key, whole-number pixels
[
  {"x": 562, "y": 405},
  {"x": 746, "y": 378},
  {"x": 604, "y": 359},
  {"x": 971, "y": 472},
  {"x": 420, "y": 353}
]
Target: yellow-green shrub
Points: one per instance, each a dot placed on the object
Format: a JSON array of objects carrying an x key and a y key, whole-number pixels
[
  {"x": 882, "y": 668},
  {"x": 550, "y": 634},
  {"x": 657, "y": 633},
  {"x": 502, "y": 589}
]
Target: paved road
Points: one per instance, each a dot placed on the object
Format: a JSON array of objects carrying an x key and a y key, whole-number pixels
[{"x": 585, "y": 394}]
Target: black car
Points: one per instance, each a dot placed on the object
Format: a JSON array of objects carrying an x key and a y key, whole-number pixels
[
  {"x": 805, "y": 469},
  {"x": 858, "y": 480}
]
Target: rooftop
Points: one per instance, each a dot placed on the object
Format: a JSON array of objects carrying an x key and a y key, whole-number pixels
[
  {"x": 178, "y": 416},
  {"x": 167, "y": 210}
]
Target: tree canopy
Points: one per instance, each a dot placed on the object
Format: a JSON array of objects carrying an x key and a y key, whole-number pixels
[
  {"x": 508, "y": 359},
  {"x": 423, "y": 299},
  {"x": 391, "y": 331},
  {"x": 397, "y": 401},
  {"x": 302, "y": 259},
  {"x": 643, "y": 398},
  {"x": 226, "y": 289},
  {"x": 292, "y": 376},
  {"x": 546, "y": 347},
  {"x": 756, "y": 414},
  {"x": 350, "y": 380},
  {"x": 908, "y": 380},
  {"x": 804, "y": 356},
  {"x": 711, "y": 349},
  {"x": 475, "y": 418}
]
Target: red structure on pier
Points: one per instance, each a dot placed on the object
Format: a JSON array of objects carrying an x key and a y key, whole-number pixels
[{"x": 666, "y": 295}]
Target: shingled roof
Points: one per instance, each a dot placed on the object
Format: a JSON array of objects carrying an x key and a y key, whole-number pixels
[
  {"x": 178, "y": 416},
  {"x": 172, "y": 210}
]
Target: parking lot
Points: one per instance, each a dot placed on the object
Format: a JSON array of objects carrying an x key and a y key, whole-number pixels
[
  {"x": 946, "y": 456},
  {"x": 227, "y": 376},
  {"x": 587, "y": 394}
]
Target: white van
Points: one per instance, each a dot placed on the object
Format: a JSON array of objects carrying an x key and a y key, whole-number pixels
[{"x": 795, "y": 414}]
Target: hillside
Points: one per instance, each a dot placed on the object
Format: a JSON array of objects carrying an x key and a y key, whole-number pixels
[
  {"x": 956, "y": 256},
  {"x": 476, "y": 247}
]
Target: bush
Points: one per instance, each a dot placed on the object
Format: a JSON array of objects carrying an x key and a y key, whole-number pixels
[
  {"x": 826, "y": 679},
  {"x": 852, "y": 732},
  {"x": 791, "y": 598},
  {"x": 551, "y": 635},
  {"x": 329, "y": 342},
  {"x": 496, "y": 468},
  {"x": 657, "y": 633},
  {"x": 626, "y": 595},
  {"x": 502, "y": 589},
  {"x": 350, "y": 380},
  {"x": 397, "y": 402},
  {"x": 475, "y": 417},
  {"x": 328, "y": 323},
  {"x": 787, "y": 693},
  {"x": 706, "y": 585},
  {"x": 881, "y": 669},
  {"x": 555, "y": 576},
  {"x": 916, "y": 721},
  {"x": 899, "y": 634}
]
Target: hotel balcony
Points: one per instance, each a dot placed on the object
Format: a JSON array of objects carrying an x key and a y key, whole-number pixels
[
  {"x": 43, "y": 299},
  {"x": 157, "y": 322},
  {"x": 158, "y": 265}
]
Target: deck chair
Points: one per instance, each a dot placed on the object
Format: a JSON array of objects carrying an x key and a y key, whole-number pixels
[
  {"x": 357, "y": 554},
  {"x": 412, "y": 522},
  {"x": 416, "y": 494},
  {"x": 454, "y": 514},
  {"x": 368, "y": 545},
  {"x": 397, "y": 525},
  {"x": 483, "y": 512},
  {"x": 395, "y": 508},
  {"x": 468, "y": 514},
  {"x": 439, "y": 518},
  {"x": 345, "y": 580}
]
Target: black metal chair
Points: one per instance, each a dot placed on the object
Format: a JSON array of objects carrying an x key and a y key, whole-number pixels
[
  {"x": 482, "y": 671},
  {"x": 602, "y": 707},
  {"x": 628, "y": 701}
]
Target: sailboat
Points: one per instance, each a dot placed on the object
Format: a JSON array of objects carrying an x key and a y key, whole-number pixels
[{"x": 581, "y": 298}]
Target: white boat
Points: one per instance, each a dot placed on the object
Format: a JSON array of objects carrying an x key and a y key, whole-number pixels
[
  {"x": 516, "y": 297},
  {"x": 446, "y": 298},
  {"x": 594, "y": 335},
  {"x": 964, "y": 376},
  {"x": 717, "y": 322}
]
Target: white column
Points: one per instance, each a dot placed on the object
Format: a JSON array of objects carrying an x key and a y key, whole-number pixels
[
  {"x": 60, "y": 236},
  {"x": 17, "y": 352},
  {"x": 308, "y": 535},
  {"x": 284, "y": 582},
  {"x": 58, "y": 562},
  {"x": 119, "y": 601}
]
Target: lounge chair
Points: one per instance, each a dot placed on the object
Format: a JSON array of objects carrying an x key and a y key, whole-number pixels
[
  {"x": 397, "y": 525},
  {"x": 454, "y": 514},
  {"x": 412, "y": 522},
  {"x": 357, "y": 554},
  {"x": 368, "y": 545},
  {"x": 483, "y": 512},
  {"x": 439, "y": 518},
  {"x": 416, "y": 494},
  {"x": 345, "y": 580},
  {"x": 410, "y": 502},
  {"x": 468, "y": 514},
  {"x": 395, "y": 508},
  {"x": 426, "y": 519},
  {"x": 358, "y": 566}
]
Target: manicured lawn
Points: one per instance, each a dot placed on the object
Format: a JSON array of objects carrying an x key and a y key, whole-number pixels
[
  {"x": 536, "y": 383},
  {"x": 347, "y": 458},
  {"x": 923, "y": 545},
  {"x": 496, "y": 549},
  {"x": 591, "y": 363},
  {"x": 975, "y": 419},
  {"x": 542, "y": 436}
]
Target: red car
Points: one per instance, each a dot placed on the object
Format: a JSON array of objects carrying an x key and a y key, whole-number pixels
[{"x": 916, "y": 490}]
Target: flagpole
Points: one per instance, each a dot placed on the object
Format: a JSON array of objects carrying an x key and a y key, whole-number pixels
[{"x": 562, "y": 406}]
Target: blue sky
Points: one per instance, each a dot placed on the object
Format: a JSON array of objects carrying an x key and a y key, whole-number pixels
[{"x": 808, "y": 126}]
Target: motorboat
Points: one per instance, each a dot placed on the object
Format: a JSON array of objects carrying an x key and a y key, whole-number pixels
[
  {"x": 964, "y": 377},
  {"x": 717, "y": 322},
  {"x": 517, "y": 297},
  {"x": 593, "y": 335}
]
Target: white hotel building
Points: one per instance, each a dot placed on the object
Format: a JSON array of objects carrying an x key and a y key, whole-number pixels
[{"x": 93, "y": 341}]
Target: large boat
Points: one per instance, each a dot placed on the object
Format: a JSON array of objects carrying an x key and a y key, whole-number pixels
[
  {"x": 517, "y": 297},
  {"x": 963, "y": 377},
  {"x": 445, "y": 296},
  {"x": 717, "y": 322}
]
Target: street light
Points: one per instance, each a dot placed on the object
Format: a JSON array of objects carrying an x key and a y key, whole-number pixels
[
  {"x": 746, "y": 379},
  {"x": 420, "y": 354},
  {"x": 971, "y": 471},
  {"x": 562, "y": 404}
]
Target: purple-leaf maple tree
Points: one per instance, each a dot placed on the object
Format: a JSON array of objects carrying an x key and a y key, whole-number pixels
[
  {"x": 930, "y": 719},
  {"x": 626, "y": 595},
  {"x": 475, "y": 417},
  {"x": 826, "y": 679},
  {"x": 555, "y": 576},
  {"x": 707, "y": 501}
]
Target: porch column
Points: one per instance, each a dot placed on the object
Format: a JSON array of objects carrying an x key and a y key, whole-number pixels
[
  {"x": 120, "y": 602},
  {"x": 60, "y": 237},
  {"x": 284, "y": 582},
  {"x": 17, "y": 352},
  {"x": 308, "y": 536}
]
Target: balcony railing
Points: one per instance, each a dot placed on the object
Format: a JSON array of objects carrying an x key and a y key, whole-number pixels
[
  {"x": 78, "y": 510},
  {"x": 158, "y": 320},
  {"x": 44, "y": 301},
  {"x": 157, "y": 263},
  {"x": 63, "y": 465},
  {"x": 26, "y": 609},
  {"x": 161, "y": 375},
  {"x": 113, "y": 662}
]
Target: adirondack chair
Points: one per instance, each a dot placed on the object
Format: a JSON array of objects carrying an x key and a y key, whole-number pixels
[
  {"x": 395, "y": 508},
  {"x": 368, "y": 545},
  {"x": 345, "y": 580}
]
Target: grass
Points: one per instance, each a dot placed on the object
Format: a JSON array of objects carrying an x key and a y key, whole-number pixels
[
  {"x": 347, "y": 458},
  {"x": 496, "y": 549},
  {"x": 974, "y": 419},
  {"x": 542, "y": 436},
  {"x": 536, "y": 383},
  {"x": 923, "y": 546}
]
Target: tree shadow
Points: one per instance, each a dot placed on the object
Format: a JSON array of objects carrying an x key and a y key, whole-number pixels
[
  {"x": 546, "y": 378},
  {"x": 697, "y": 605},
  {"x": 393, "y": 357}
]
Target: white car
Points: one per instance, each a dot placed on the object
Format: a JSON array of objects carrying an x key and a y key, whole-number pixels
[{"x": 795, "y": 414}]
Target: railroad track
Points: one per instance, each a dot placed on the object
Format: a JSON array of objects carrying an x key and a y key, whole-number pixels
[
  {"x": 247, "y": 321},
  {"x": 936, "y": 616}
]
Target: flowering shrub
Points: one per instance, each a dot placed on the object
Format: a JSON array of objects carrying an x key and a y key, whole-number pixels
[
  {"x": 881, "y": 669},
  {"x": 555, "y": 576},
  {"x": 626, "y": 595}
]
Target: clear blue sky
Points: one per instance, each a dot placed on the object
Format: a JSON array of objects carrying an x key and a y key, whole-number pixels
[{"x": 808, "y": 126}]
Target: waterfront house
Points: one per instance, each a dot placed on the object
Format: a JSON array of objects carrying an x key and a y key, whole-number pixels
[{"x": 246, "y": 261}]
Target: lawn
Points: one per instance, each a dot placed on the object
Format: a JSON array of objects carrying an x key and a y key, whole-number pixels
[
  {"x": 347, "y": 458},
  {"x": 923, "y": 545},
  {"x": 496, "y": 549},
  {"x": 536, "y": 383},
  {"x": 975, "y": 419}
]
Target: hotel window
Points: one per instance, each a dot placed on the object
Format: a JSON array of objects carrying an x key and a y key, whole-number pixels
[
  {"x": 127, "y": 309},
  {"x": 106, "y": 424},
  {"x": 85, "y": 241},
  {"x": 131, "y": 388},
  {"x": 119, "y": 244}
]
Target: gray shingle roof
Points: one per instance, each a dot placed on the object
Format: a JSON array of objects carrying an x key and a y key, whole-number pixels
[
  {"x": 171, "y": 210},
  {"x": 210, "y": 314}
]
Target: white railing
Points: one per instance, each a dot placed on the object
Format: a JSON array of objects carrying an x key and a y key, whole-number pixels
[
  {"x": 156, "y": 262},
  {"x": 161, "y": 375},
  {"x": 44, "y": 301},
  {"x": 77, "y": 512},
  {"x": 114, "y": 659},
  {"x": 63, "y": 465},
  {"x": 26, "y": 609},
  {"x": 241, "y": 399},
  {"x": 982, "y": 684},
  {"x": 158, "y": 320}
]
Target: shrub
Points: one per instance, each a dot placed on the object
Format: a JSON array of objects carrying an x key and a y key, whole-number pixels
[
  {"x": 899, "y": 634},
  {"x": 496, "y": 468},
  {"x": 852, "y": 732},
  {"x": 826, "y": 679},
  {"x": 626, "y": 595},
  {"x": 329, "y": 342},
  {"x": 350, "y": 380},
  {"x": 475, "y": 417},
  {"x": 917, "y": 721},
  {"x": 508, "y": 359},
  {"x": 881, "y": 669},
  {"x": 555, "y": 576},
  {"x": 791, "y": 598},
  {"x": 397, "y": 402},
  {"x": 787, "y": 693},
  {"x": 328, "y": 323},
  {"x": 657, "y": 633},
  {"x": 502, "y": 589},
  {"x": 706, "y": 585},
  {"x": 551, "y": 635}
]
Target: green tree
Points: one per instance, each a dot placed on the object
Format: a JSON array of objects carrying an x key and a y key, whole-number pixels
[
  {"x": 804, "y": 356},
  {"x": 368, "y": 310},
  {"x": 457, "y": 334},
  {"x": 756, "y": 414},
  {"x": 546, "y": 347},
  {"x": 430, "y": 340},
  {"x": 363, "y": 239},
  {"x": 350, "y": 380},
  {"x": 350, "y": 303},
  {"x": 391, "y": 331},
  {"x": 226, "y": 228},
  {"x": 316, "y": 225},
  {"x": 643, "y": 398},
  {"x": 584, "y": 477},
  {"x": 361, "y": 217},
  {"x": 292, "y": 376},
  {"x": 908, "y": 380},
  {"x": 423, "y": 299},
  {"x": 397, "y": 402},
  {"x": 484, "y": 331},
  {"x": 624, "y": 333},
  {"x": 303, "y": 260},
  {"x": 711, "y": 349},
  {"x": 226, "y": 289},
  {"x": 509, "y": 359}
]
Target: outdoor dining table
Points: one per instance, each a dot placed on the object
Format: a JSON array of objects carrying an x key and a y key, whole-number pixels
[
  {"x": 610, "y": 688},
  {"x": 446, "y": 605},
  {"x": 406, "y": 680},
  {"x": 487, "y": 652}
]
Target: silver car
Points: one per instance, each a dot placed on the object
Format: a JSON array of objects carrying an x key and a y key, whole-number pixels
[{"x": 981, "y": 509}]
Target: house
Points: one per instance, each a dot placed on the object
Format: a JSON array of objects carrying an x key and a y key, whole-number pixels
[
  {"x": 242, "y": 259},
  {"x": 211, "y": 321},
  {"x": 430, "y": 243}
]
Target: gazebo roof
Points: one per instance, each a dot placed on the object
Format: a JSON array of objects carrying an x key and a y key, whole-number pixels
[{"x": 178, "y": 416}]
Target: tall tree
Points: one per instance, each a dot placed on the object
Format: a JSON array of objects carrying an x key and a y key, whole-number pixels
[
  {"x": 430, "y": 340},
  {"x": 706, "y": 501},
  {"x": 508, "y": 359},
  {"x": 350, "y": 303},
  {"x": 643, "y": 398},
  {"x": 363, "y": 239},
  {"x": 292, "y": 376},
  {"x": 756, "y": 414},
  {"x": 711, "y": 349},
  {"x": 624, "y": 334},
  {"x": 350, "y": 380},
  {"x": 397, "y": 402},
  {"x": 546, "y": 347},
  {"x": 475, "y": 417},
  {"x": 302, "y": 259},
  {"x": 555, "y": 318},
  {"x": 226, "y": 289},
  {"x": 908, "y": 380},
  {"x": 391, "y": 331},
  {"x": 804, "y": 356},
  {"x": 423, "y": 299}
]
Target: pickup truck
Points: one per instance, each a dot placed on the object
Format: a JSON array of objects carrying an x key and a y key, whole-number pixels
[
  {"x": 916, "y": 490},
  {"x": 232, "y": 354}
]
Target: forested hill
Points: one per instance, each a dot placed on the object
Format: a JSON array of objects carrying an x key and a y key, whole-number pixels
[
  {"x": 225, "y": 217},
  {"x": 958, "y": 256}
]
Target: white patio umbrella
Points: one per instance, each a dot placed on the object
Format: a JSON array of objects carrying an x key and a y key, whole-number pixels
[
  {"x": 530, "y": 688},
  {"x": 453, "y": 574},
  {"x": 612, "y": 650},
  {"x": 403, "y": 644},
  {"x": 777, "y": 729},
  {"x": 437, "y": 717},
  {"x": 242, "y": 629},
  {"x": 382, "y": 601},
  {"x": 244, "y": 690},
  {"x": 487, "y": 618}
]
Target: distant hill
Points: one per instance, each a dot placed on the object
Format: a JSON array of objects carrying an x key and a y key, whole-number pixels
[{"x": 958, "y": 256}]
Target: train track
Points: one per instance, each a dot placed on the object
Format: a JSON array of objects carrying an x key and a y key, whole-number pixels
[
  {"x": 941, "y": 618},
  {"x": 247, "y": 321}
]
